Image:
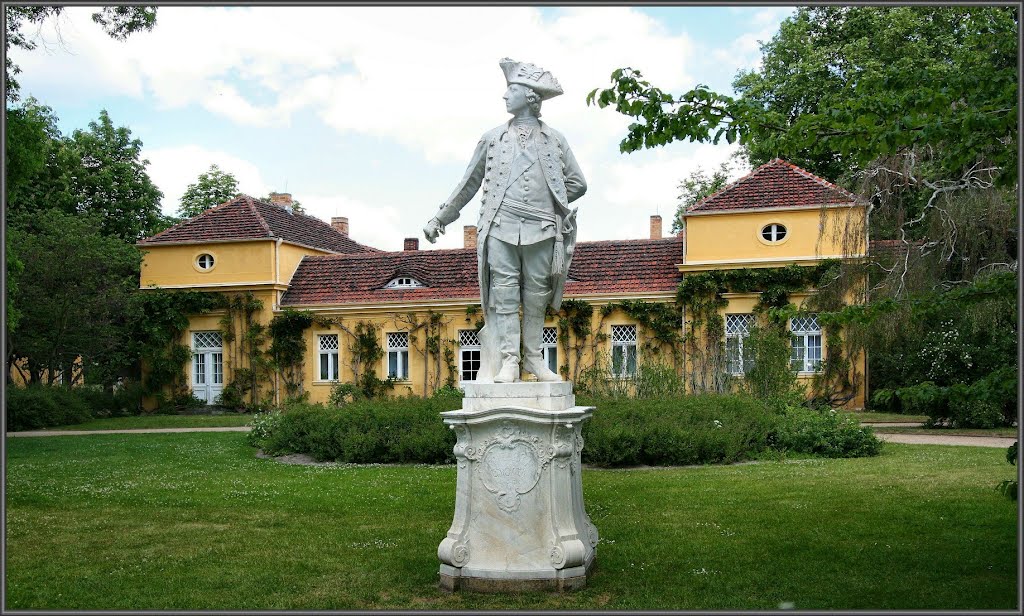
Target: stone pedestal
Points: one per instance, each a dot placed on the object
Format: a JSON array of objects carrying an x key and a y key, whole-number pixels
[{"x": 519, "y": 518}]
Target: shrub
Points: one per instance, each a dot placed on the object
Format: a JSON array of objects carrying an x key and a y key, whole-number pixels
[
  {"x": 365, "y": 431},
  {"x": 705, "y": 429},
  {"x": 986, "y": 403},
  {"x": 41, "y": 406},
  {"x": 263, "y": 425},
  {"x": 822, "y": 432}
]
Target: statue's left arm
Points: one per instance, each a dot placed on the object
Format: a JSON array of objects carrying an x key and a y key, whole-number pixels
[{"x": 575, "y": 184}]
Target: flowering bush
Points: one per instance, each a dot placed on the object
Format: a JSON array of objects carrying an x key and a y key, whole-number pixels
[
  {"x": 263, "y": 426},
  {"x": 823, "y": 432}
]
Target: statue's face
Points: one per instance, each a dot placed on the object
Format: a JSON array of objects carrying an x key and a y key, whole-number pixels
[{"x": 515, "y": 99}]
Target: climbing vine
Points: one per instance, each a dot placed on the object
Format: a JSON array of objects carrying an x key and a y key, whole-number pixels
[
  {"x": 436, "y": 351},
  {"x": 250, "y": 365},
  {"x": 700, "y": 296},
  {"x": 574, "y": 325},
  {"x": 288, "y": 349},
  {"x": 163, "y": 320},
  {"x": 660, "y": 323},
  {"x": 365, "y": 353}
]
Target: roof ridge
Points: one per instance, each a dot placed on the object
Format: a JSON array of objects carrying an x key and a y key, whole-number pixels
[
  {"x": 259, "y": 217},
  {"x": 378, "y": 253},
  {"x": 818, "y": 179},
  {"x": 733, "y": 185},
  {"x": 195, "y": 218}
]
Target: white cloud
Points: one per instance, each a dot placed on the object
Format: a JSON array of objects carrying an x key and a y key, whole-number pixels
[
  {"x": 372, "y": 224},
  {"x": 173, "y": 169},
  {"x": 744, "y": 52},
  {"x": 424, "y": 78}
]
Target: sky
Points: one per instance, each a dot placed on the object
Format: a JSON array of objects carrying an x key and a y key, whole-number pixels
[{"x": 374, "y": 112}]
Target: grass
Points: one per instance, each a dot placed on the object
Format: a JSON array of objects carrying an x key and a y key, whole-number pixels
[
  {"x": 197, "y": 522},
  {"x": 873, "y": 416},
  {"x": 161, "y": 421}
]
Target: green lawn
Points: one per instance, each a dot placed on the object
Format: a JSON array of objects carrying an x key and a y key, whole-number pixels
[
  {"x": 161, "y": 421},
  {"x": 196, "y": 522}
]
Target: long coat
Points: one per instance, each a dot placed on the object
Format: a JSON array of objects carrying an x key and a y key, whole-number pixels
[{"x": 491, "y": 167}]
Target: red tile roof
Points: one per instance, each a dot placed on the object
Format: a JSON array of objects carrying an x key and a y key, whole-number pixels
[
  {"x": 245, "y": 218},
  {"x": 774, "y": 185},
  {"x": 617, "y": 266}
]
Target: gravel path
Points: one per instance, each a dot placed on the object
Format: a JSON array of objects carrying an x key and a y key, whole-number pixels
[
  {"x": 916, "y": 439},
  {"x": 942, "y": 439},
  {"x": 138, "y": 431}
]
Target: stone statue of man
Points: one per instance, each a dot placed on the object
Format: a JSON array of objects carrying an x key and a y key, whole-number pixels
[{"x": 526, "y": 233}]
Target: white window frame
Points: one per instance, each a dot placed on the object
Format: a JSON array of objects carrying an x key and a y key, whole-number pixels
[
  {"x": 207, "y": 368},
  {"x": 400, "y": 354},
  {"x": 806, "y": 334},
  {"x": 404, "y": 282},
  {"x": 624, "y": 337},
  {"x": 549, "y": 347},
  {"x": 778, "y": 232},
  {"x": 325, "y": 351},
  {"x": 211, "y": 260},
  {"x": 469, "y": 343},
  {"x": 736, "y": 330}
]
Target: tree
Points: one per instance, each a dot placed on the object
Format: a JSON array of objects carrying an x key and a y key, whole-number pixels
[
  {"x": 212, "y": 188},
  {"x": 71, "y": 295},
  {"x": 843, "y": 86},
  {"x": 32, "y": 138},
  {"x": 117, "y": 21},
  {"x": 110, "y": 180},
  {"x": 695, "y": 188}
]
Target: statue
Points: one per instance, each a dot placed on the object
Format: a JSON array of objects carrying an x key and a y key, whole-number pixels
[{"x": 526, "y": 232}]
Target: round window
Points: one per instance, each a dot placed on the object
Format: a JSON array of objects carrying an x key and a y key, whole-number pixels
[
  {"x": 205, "y": 261},
  {"x": 773, "y": 232}
]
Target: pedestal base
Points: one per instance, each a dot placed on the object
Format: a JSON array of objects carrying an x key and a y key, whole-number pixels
[{"x": 519, "y": 522}]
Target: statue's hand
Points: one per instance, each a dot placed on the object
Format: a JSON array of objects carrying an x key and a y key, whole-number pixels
[{"x": 431, "y": 230}]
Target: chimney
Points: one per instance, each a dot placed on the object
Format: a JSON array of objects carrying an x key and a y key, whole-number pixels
[
  {"x": 340, "y": 224},
  {"x": 655, "y": 227},
  {"x": 412, "y": 243},
  {"x": 469, "y": 236},
  {"x": 282, "y": 199}
]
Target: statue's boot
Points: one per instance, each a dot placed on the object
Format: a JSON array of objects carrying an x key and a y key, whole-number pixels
[
  {"x": 533, "y": 361},
  {"x": 508, "y": 333}
]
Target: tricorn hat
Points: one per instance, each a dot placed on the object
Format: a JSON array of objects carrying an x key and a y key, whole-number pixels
[{"x": 539, "y": 80}]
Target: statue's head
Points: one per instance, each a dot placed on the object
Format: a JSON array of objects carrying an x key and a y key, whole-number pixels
[
  {"x": 518, "y": 97},
  {"x": 527, "y": 85}
]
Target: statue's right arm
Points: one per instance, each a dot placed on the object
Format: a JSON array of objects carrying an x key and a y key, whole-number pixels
[{"x": 465, "y": 190}]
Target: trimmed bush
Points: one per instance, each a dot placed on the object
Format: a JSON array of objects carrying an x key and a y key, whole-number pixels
[
  {"x": 706, "y": 429},
  {"x": 40, "y": 406},
  {"x": 403, "y": 430},
  {"x": 823, "y": 433}
]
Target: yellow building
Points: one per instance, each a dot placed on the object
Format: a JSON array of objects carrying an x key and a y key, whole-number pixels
[{"x": 412, "y": 315}]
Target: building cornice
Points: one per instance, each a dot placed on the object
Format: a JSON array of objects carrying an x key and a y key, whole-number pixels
[
  {"x": 460, "y": 303},
  {"x": 696, "y": 266},
  {"x": 796, "y": 208}
]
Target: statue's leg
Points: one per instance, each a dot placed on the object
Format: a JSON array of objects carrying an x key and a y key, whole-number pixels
[
  {"x": 536, "y": 296},
  {"x": 503, "y": 261}
]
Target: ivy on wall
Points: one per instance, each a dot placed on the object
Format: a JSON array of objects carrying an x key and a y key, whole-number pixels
[
  {"x": 242, "y": 332},
  {"x": 700, "y": 296},
  {"x": 159, "y": 335},
  {"x": 288, "y": 349}
]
